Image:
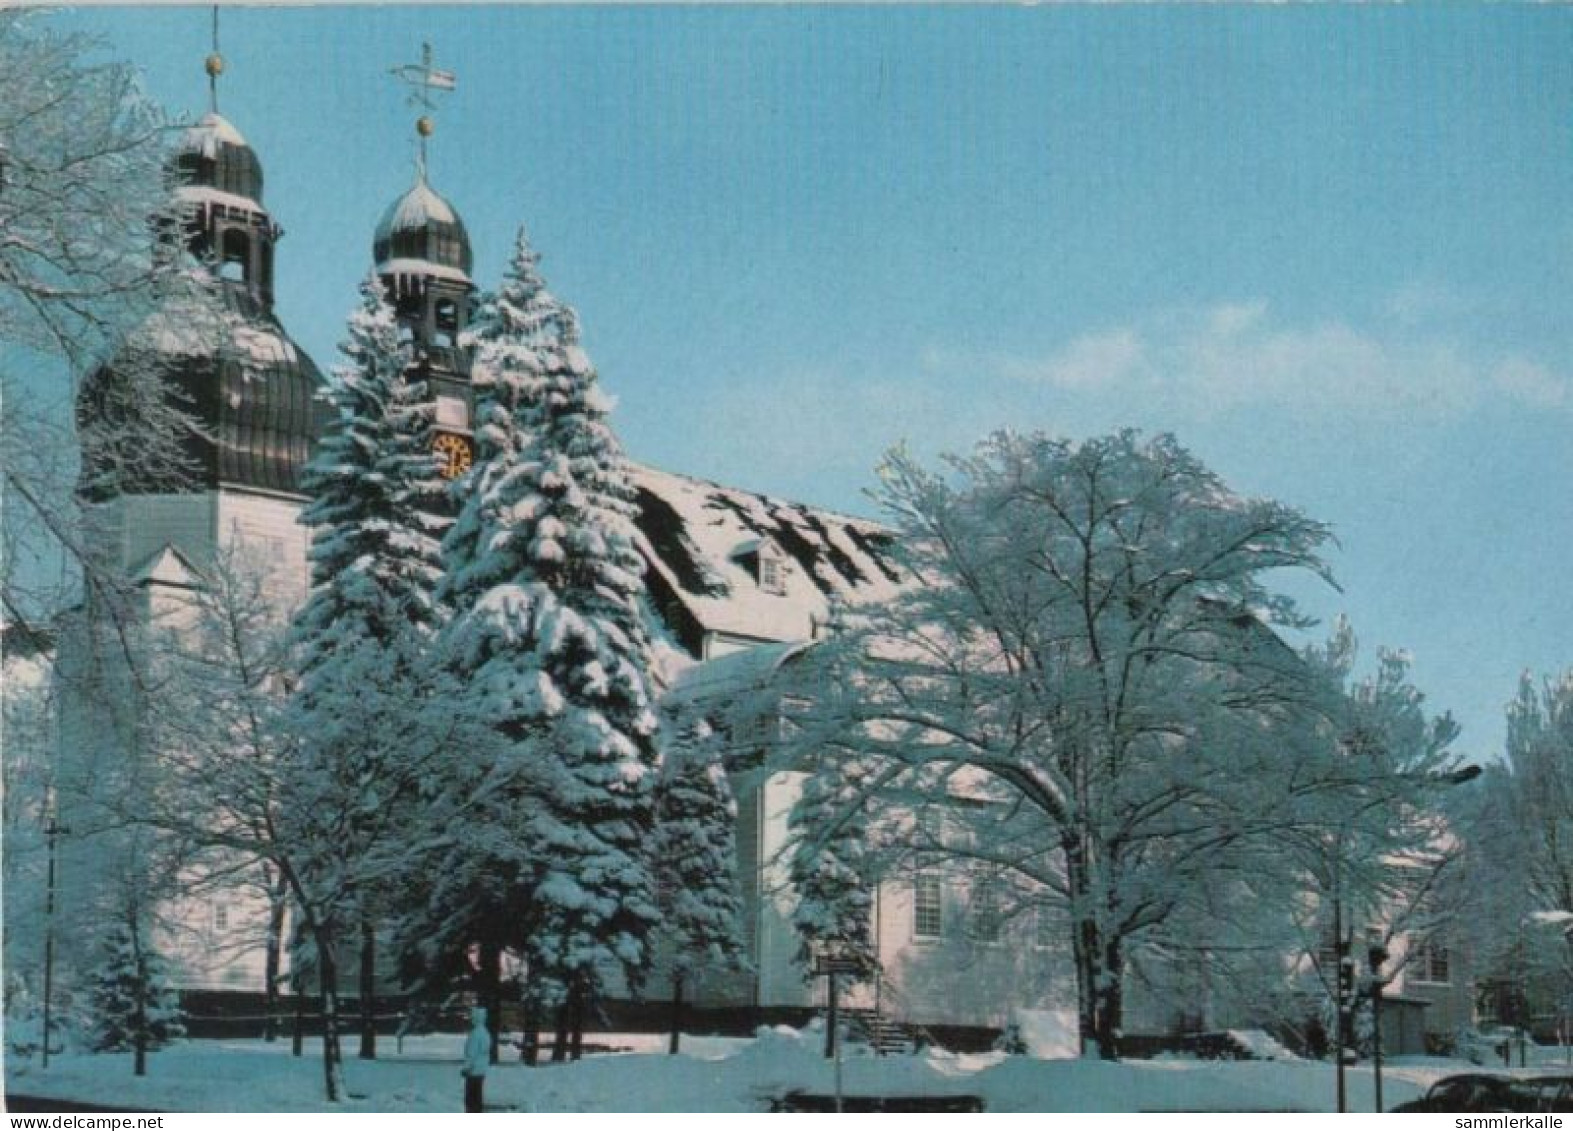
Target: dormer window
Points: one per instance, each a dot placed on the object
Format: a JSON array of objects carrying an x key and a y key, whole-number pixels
[
  {"x": 772, "y": 575},
  {"x": 766, "y": 561}
]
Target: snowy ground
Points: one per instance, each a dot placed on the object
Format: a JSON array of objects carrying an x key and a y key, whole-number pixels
[{"x": 712, "y": 1074}]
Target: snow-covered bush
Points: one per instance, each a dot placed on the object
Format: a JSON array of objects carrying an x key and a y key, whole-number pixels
[
  {"x": 131, "y": 1000},
  {"x": 1011, "y": 1042},
  {"x": 24, "y": 1023}
]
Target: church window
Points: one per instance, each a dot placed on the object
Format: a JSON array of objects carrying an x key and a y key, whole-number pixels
[
  {"x": 221, "y": 916},
  {"x": 1044, "y": 935},
  {"x": 928, "y": 909},
  {"x": 1432, "y": 964},
  {"x": 987, "y": 918}
]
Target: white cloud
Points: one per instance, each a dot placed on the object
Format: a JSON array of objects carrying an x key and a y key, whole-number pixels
[
  {"x": 1089, "y": 362},
  {"x": 1238, "y": 366},
  {"x": 1532, "y": 384},
  {"x": 1199, "y": 362}
]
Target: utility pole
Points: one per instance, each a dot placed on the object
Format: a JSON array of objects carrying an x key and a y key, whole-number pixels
[{"x": 1341, "y": 972}]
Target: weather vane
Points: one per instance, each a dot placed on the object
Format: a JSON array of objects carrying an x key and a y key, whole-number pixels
[
  {"x": 425, "y": 82},
  {"x": 214, "y": 65}
]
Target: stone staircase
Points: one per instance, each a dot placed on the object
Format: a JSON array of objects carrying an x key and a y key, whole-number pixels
[{"x": 885, "y": 1035}]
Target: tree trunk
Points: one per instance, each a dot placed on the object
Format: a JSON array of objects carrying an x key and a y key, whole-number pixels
[
  {"x": 677, "y": 1010},
  {"x": 530, "y": 1045},
  {"x": 1111, "y": 1000},
  {"x": 368, "y": 989},
  {"x": 298, "y": 1029},
  {"x": 560, "y": 1042},
  {"x": 275, "y": 956},
  {"x": 139, "y": 1014},
  {"x": 1084, "y": 945},
  {"x": 832, "y": 1013},
  {"x": 328, "y": 980},
  {"x": 491, "y": 995},
  {"x": 581, "y": 1007}
]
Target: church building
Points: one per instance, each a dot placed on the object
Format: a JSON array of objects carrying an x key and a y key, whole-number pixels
[{"x": 739, "y": 583}]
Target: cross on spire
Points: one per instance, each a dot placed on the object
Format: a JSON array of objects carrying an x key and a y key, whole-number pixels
[{"x": 425, "y": 81}]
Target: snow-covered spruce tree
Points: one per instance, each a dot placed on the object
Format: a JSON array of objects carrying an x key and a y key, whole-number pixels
[
  {"x": 133, "y": 1004},
  {"x": 376, "y": 490},
  {"x": 831, "y": 864},
  {"x": 360, "y": 639},
  {"x": 695, "y": 850},
  {"x": 548, "y": 634}
]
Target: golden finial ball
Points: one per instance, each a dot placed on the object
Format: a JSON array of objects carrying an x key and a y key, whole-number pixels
[
  {"x": 425, "y": 126},
  {"x": 215, "y": 65}
]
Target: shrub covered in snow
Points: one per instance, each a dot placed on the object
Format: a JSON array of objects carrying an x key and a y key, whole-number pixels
[{"x": 131, "y": 1000}]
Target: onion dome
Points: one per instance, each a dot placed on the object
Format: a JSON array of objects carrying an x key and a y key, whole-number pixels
[
  {"x": 213, "y": 155},
  {"x": 251, "y": 394},
  {"x": 421, "y": 234}
]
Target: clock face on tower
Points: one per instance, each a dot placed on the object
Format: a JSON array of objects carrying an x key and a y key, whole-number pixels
[{"x": 454, "y": 452}]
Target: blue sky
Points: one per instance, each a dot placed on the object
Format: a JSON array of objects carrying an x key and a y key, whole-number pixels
[{"x": 1330, "y": 247}]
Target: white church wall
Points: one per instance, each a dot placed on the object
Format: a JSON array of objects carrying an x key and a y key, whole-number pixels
[
  {"x": 954, "y": 977},
  {"x": 265, "y": 532},
  {"x": 954, "y": 971},
  {"x": 781, "y": 981}
]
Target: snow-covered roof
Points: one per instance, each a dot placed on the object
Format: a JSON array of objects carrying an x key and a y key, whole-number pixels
[
  {"x": 207, "y": 196},
  {"x": 414, "y": 267},
  {"x": 425, "y": 230},
  {"x": 211, "y": 131},
  {"x": 690, "y": 531},
  {"x": 731, "y": 677},
  {"x": 186, "y": 327},
  {"x": 419, "y": 207},
  {"x": 164, "y": 566}
]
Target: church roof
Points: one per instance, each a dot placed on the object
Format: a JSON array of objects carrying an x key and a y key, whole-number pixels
[
  {"x": 251, "y": 390},
  {"x": 213, "y": 153},
  {"x": 165, "y": 566},
  {"x": 690, "y": 530},
  {"x": 210, "y": 132}
]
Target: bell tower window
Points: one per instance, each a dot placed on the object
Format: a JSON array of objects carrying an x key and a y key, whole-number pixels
[
  {"x": 446, "y": 328},
  {"x": 235, "y": 255}
]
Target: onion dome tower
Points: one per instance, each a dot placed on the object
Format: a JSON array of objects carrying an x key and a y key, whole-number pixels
[
  {"x": 249, "y": 392},
  {"x": 257, "y": 396},
  {"x": 423, "y": 256}
]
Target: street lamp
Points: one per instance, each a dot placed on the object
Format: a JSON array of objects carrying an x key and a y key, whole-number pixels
[
  {"x": 51, "y": 831},
  {"x": 1345, "y": 994}
]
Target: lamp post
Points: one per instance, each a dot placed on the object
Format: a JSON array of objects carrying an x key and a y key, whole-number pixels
[
  {"x": 1376, "y": 956},
  {"x": 51, "y": 831},
  {"x": 1345, "y": 992}
]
